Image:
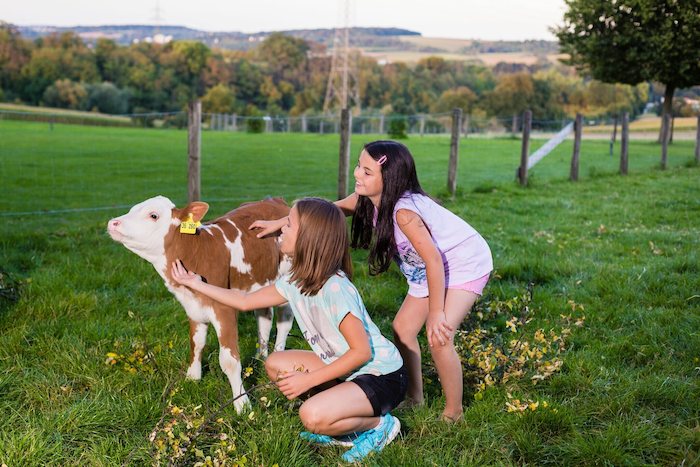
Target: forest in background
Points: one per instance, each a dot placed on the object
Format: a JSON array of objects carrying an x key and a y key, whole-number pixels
[{"x": 286, "y": 75}]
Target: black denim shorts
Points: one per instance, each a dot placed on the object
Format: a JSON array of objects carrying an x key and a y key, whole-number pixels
[{"x": 384, "y": 392}]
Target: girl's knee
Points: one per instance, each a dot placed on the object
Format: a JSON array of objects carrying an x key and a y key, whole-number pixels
[
  {"x": 401, "y": 332},
  {"x": 438, "y": 350},
  {"x": 273, "y": 366},
  {"x": 312, "y": 417}
]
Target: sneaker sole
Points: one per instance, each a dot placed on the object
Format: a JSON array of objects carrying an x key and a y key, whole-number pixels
[
  {"x": 394, "y": 431},
  {"x": 335, "y": 442}
]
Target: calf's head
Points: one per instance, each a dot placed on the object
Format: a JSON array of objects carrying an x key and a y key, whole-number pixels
[{"x": 144, "y": 228}]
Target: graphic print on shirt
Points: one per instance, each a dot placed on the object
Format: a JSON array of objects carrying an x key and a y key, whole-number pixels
[
  {"x": 318, "y": 330},
  {"x": 410, "y": 263}
]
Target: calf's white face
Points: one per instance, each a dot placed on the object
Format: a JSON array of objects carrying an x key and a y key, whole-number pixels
[{"x": 143, "y": 229}]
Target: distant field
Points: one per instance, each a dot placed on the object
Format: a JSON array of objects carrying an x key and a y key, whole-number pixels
[
  {"x": 57, "y": 111},
  {"x": 93, "y": 347},
  {"x": 650, "y": 123},
  {"x": 451, "y": 49}
]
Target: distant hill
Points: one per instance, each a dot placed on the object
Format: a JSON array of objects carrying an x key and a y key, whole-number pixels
[
  {"x": 385, "y": 44},
  {"x": 127, "y": 34}
]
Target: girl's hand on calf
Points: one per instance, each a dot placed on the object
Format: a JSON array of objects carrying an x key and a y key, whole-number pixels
[
  {"x": 267, "y": 227},
  {"x": 184, "y": 277},
  {"x": 437, "y": 329}
]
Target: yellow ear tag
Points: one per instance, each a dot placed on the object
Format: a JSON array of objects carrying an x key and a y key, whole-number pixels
[{"x": 189, "y": 226}]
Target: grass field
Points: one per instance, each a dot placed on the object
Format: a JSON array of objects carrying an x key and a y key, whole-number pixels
[{"x": 93, "y": 348}]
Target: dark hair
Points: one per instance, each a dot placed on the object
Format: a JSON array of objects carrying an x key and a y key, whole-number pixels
[
  {"x": 321, "y": 249},
  {"x": 398, "y": 177}
]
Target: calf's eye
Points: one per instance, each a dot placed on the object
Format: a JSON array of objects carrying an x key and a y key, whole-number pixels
[{"x": 154, "y": 216}]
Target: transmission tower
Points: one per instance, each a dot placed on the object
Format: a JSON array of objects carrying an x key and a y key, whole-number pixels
[
  {"x": 343, "y": 86},
  {"x": 157, "y": 18}
]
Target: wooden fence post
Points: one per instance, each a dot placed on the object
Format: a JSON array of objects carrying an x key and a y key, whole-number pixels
[
  {"x": 381, "y": 124},
  {"x": 234, "y": 122},
  {"x": 303, "y": 123},
  {"x": 320, "y": 126},
  {"x": 344, "y": 153},
  {"x": 454, "y": 151},
  {"x": 614, "y": 135},
  {"x": 578, "y": 128},
  {"x": 525, "y": 147},
  {"x": 194, "y": 143},
  {"x": 624, "y": 145},
  {"x": 422, "y": 125},
  {"x": 664, "y": 141},
  {"x": 697, "y": 143}
]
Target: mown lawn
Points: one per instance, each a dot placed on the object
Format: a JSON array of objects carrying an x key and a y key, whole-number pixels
[{"x": 614, "y": 260}]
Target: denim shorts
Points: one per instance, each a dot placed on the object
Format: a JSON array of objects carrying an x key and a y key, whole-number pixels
[{"x": 384, "y": 392}]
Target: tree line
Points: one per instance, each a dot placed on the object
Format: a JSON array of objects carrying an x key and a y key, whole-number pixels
[{"x": 285, "y": 75}]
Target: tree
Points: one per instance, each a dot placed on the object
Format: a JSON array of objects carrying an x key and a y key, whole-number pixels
[
  {"x": 190, "y": 60},
  {"x": 66, "y": 94},
  {"x": 634, "y": 41},
  {"x": 461, "y": 97},
  {"x": 284, "y": 55},
  {"x": 219, "y": 100},
  {"x": 512, "y": 96},
  {"x": 107, "y": 98},
  {"x": 14, "y": 54}
]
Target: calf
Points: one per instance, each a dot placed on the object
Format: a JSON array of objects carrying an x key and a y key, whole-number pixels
[{"x": 226, "y": 254}]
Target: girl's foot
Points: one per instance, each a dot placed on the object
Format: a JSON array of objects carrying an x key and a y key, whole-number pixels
[{"x": 452, "y": 418}]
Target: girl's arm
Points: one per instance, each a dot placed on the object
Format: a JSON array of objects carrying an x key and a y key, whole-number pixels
[
  {"x": 262, "y": 298},
  {"x": 294, "y": 384},
  {"x": 347, "y": 205},
  {"x": 414, "y": 228},
  {"x": 268, "y": 227}
]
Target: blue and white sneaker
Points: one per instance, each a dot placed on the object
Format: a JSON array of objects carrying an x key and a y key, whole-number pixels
[
  {"x": 325, "y": 440},
  {"x": 374, "y": 440}
]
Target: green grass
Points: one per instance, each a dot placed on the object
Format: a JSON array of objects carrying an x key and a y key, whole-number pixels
[{"x": 626, "y": 248}]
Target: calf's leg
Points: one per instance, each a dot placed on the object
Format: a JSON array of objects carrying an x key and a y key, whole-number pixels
[
  {"x": 226, "y": 326},
  {"x": 198, "y": 337},
  {"x": 264, "y": 320},
  {"x": 285, "y": 318}
]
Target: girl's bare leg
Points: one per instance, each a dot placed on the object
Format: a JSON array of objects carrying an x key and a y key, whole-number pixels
[
  {"x": 340, "y": 410},
  {"x": 287, "y": 361},
  {"x": 408, "y": 322},
  {"x": 458, "y": 304}
]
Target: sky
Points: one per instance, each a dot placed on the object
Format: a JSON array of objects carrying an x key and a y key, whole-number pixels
[{"x": 458, "y": 19}]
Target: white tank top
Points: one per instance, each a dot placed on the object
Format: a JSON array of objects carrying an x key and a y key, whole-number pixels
[{"x": 465, "y": 254}]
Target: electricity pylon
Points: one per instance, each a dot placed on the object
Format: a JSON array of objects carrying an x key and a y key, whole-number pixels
[{"x": 343, "y": 87}]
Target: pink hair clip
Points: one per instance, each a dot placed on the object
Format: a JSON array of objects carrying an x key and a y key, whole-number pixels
[{"x": 381, "y": 160}]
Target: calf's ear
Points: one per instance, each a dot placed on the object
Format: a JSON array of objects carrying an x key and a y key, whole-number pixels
[{"x": 197, "y": 208}]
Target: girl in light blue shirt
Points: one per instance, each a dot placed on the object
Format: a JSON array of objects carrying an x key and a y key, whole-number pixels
[{"x": 355, "y": 374}]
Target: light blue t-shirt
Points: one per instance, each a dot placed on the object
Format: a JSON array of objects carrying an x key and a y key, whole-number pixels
[{"x": 319, "y": 319}]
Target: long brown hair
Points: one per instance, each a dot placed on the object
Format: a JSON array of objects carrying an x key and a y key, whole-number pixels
[
  {"x": 398, "y": 177},
  {"x": 321, "y": 249}
]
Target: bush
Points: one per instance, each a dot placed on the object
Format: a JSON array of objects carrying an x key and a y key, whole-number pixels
[
  {"x": 397, "y": 128},
  {"x": 107, "y": 98},
  {"x": 66, "y": 94},
  {"x": 255, "y": 125}
]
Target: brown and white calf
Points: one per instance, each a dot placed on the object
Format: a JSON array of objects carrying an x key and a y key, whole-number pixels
[{"x": 226, "y": 254}]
